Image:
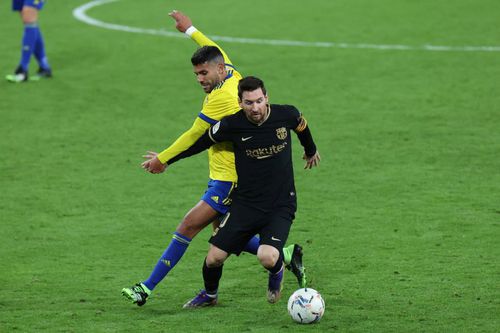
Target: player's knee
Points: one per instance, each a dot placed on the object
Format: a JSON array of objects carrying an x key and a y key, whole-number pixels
[
  {"x": 215, "y": 258},
  {"x": 189, "y": 227},
  {"x": 268, "y": 256}
]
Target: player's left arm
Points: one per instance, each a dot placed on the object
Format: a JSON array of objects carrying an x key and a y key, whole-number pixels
[
  {"x": 216, "y": 133},
  {"x": 184, "y": 24},
  {"x": 311, "y": 154},
  {"x": 203, "y": 143}
]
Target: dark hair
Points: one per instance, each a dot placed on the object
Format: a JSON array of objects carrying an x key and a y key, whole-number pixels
[
  {"x": 207, "y": 53},
  {"x": 250, "y": 83}
]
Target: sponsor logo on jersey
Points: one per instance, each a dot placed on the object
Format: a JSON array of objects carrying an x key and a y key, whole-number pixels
[{"x": 260, "y": 153}]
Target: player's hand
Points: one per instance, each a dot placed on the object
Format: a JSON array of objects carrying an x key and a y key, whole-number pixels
[
  {"x": 182, "y": 22},
  {"x": 311, "y": 161},
  {"x": 152, "y": 164}
]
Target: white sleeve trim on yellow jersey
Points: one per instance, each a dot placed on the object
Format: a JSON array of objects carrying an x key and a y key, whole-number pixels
[{"x": 191, "y": 30}]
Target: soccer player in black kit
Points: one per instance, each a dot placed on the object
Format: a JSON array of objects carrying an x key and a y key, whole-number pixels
[{"x": 264, "y": 201}]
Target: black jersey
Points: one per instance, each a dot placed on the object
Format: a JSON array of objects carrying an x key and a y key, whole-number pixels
[{"x": 263, "y": 156}]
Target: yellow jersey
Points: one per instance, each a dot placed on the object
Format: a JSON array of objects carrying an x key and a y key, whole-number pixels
[{"x": 222, "y": 101}]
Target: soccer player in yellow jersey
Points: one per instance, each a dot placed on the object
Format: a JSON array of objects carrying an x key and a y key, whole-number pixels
[{"x": 219, "y": 79}]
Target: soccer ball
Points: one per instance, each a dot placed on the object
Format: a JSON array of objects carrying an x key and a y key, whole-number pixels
[{"x": 306, "y": 306}]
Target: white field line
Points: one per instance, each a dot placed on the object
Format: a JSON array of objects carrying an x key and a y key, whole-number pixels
[{"x": 80, "y": 14}]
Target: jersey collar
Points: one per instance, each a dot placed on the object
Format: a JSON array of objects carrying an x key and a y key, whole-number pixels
[
  {"x": 266, "y": 117},
  {"x": 229, "y": 75}
]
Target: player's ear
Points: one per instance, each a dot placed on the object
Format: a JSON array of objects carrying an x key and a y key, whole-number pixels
[{"x": 221, "y": 67}]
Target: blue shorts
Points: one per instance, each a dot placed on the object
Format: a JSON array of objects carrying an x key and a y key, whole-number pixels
[
  {"x": 217, "y": 195},
  {"x": 17, "y": 5}
]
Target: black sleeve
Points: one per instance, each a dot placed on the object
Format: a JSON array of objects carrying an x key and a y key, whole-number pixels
[
  {"x": 221, "y": 131},
  {"x": 299, "y": 125},
  {"x": 306, "y": 140},
  {"x": 204, "y": 142}
]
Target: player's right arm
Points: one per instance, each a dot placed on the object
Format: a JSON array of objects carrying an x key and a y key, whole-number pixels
[
  {"x": 156, "y": 163},
  {"x": 203, "y": 143},
  {"x": 217, "y": 133},
  {"x": 184, "y": 24},
  {"x": 186, "y": 140}
]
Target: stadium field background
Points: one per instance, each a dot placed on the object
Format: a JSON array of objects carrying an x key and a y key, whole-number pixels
[{"x": 400, "y": 223}]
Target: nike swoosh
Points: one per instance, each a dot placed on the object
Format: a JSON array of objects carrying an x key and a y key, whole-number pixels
[
  {"x": 275, "y": 239},
  {"x": 247, "y": 138}
]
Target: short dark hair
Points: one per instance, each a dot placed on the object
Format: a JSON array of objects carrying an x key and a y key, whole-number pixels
[
  {"x": 207, "y": 53},
  {"x": 250, "y": 83}
]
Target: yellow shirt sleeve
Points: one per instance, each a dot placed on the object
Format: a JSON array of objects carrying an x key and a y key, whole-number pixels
[
  {"x": 186, "y": 140},
  {"x": 203, "y": 40},
  {"x": 221, "y": 103}
]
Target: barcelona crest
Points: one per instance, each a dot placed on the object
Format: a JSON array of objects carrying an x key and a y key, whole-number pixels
[{"x": 281, "y": 133}]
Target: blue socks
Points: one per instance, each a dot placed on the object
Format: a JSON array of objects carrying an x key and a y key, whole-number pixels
[
  {"x": 168, "y": 260},
  {"x": 174, "y": 253},
  {"x": 29, "y": 40},
  {"x": 33, "y": 43},
  {"x": 252, "y": 245},
  {"x": 40, "y": 51}
]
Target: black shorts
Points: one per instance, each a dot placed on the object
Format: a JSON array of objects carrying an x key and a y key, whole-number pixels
[{"x": 241, "y": 223}]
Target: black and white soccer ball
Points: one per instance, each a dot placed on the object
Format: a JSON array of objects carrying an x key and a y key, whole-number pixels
[{"x": 306, "y": 306}]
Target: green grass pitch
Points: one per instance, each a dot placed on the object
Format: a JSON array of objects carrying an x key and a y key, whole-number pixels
[{"x": 400, "y": 223}]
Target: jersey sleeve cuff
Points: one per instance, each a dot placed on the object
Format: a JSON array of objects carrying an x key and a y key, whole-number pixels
[
  {"x": 163, "y": 157},
  {"x": 191, "y": 30}
]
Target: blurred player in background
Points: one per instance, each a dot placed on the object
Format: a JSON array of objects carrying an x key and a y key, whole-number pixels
[
  {"x": 219, "y": 79},
  {"x": 32, "y": 42}
]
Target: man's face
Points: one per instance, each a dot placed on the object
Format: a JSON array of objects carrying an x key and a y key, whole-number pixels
[
  {"x": 209, "y": 74},
  {"x": 254, "y": 103}
]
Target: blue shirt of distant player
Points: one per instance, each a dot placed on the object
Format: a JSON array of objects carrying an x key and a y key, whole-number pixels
[{"x": 17, "y": 5}]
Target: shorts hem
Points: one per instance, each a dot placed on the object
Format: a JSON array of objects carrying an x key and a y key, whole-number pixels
[
  {"x": 225, "y": 249},
  {"x": 214, "y": 206}
]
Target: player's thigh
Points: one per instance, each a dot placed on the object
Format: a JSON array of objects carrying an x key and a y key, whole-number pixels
[
  {"x": 237, "y": 227},
  {"x": 198, "y": 217},
  {"x": 276, "y": 229}
]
